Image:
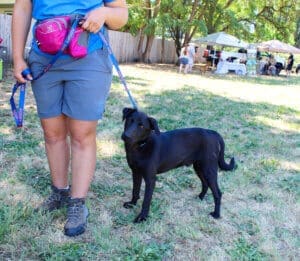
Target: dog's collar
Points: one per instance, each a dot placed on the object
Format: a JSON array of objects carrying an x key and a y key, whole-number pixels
[{"x": 142, "y": 143}]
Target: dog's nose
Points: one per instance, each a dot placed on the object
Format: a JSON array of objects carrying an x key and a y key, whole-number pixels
[{"x": 124, "y": 136}]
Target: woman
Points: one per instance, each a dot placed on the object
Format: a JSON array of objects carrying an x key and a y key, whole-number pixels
[
  {"x": 289, "y": 65},
  {"x": 184, "y": 62},
  {"x": 70, "y": 97}
]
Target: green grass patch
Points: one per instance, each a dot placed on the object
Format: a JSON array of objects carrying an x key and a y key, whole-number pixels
[{"x": 243, "y": 250}]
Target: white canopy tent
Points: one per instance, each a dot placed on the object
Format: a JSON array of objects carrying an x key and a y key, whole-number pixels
[
  {"x": 277, "y": 47},
  {"x": 222, "y": 39}
]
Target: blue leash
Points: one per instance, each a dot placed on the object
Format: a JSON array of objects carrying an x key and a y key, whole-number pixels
[
  {"x": 115, "y": 63},
  {"x": 18, "y": 112}
]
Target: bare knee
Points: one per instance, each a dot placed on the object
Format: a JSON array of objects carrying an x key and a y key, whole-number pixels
[
  {"x": 54, "y": 137},
  {"x": 82, "y": 133},
  {"x": 55, "y": 130},
  {"x": 83, "y": 138}
]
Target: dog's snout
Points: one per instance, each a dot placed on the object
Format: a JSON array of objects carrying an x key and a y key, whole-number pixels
[{"x": 124, "y": 136}]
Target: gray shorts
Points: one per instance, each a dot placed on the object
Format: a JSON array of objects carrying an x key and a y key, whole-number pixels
[{"x": 77, "y": 88}]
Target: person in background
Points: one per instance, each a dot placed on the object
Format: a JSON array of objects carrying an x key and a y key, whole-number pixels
[
  {"x": 297, "y": 69},
  {"x": 70, "y": 97},
  {"x": 271, "y": 66},
  {"x": 191, "y": 56},
  {"x": 289, "y": 64},
  {"x": 184, "y": 62}
]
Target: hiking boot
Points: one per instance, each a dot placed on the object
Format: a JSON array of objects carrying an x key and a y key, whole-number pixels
[
  {"x": 77, "y": 214},
  {"x": 57, "y": 199}
]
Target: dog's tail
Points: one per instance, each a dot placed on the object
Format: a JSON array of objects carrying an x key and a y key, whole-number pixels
[{"x": 222, "y": 164}]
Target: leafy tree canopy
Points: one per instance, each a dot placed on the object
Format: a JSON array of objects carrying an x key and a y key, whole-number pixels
[{"x": 181, "y": 20}]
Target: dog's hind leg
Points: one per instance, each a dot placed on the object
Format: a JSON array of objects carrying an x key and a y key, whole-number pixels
[
  {"x": 211, "y": 174},
  {"x": 137, "y": 181},
  {"x": 199, "y": 172}
]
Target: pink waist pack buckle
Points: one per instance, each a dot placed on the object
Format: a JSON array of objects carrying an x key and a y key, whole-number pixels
[
  {"x": 51, "y": 33},
  {"x": 78, "y": 44}
]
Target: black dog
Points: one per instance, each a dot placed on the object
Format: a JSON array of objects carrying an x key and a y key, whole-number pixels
[{"x": 150, "y": 152}]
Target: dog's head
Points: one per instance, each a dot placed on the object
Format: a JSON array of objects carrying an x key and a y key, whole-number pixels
[{"x": 138, "y": 126}]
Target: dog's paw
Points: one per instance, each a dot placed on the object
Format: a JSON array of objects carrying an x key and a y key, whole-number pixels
[
  {"x": 201, "y": 196},
  {"x": 128, "y": 204},
  {"x": 214, "y": 215},
  {"x": 140, "y": 218}
]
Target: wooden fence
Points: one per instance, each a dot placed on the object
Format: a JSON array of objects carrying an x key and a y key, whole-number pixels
[{"x": 124, "y": 45}]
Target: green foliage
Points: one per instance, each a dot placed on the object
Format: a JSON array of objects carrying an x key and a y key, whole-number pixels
[
  {"x": 244, "y": 251},
  {"x": 291, "y": 184},
  {"x": 136, "y": 19},
  {"x": 36, "y": 177},
  {"x": 105, "y": 190},
  {"x": 12, "y": 218},
  {"x": 23, "y": 142},
  {"x": 179, "y": 180},
  {"x": 182, "y": 20},
  {"x": 151, "y": 251},
  {"x": 259, "y": 197},
  {"x": 68, "y": 251}
]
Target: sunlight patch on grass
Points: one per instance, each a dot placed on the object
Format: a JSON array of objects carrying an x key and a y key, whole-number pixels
[
  {"x": 290, "y": 165},
  {"x": 5, "y": 130},
  {"x": 106, "y": 148},
  {"x": 15, "y": 192},
  {"x": 278, "y": 124}
]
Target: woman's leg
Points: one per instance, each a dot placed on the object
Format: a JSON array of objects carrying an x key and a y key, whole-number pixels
[
  {"x": 57, "y": 149},
  {"x": 83, "y": 162},
  {"x": 180, "y": 67},
  {"x": 186, "y": 68},
  {"x": 83, "y": 151}
]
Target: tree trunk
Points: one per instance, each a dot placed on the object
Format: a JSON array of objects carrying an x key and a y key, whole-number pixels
[
  {"x": 162, "y": 54},
  {"x": 146, "y": 53},
  {"x": 140, "y": 47}
]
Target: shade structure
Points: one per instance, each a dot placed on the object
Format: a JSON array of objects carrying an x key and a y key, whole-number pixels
[
  {"x": 278, "y": 47},
  {"x": 223, "y": 39}
]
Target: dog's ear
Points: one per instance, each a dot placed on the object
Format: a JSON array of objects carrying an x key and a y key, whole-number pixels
[
  {"x": 154, "y": 126},
  {"x": 127, "y": 112}
]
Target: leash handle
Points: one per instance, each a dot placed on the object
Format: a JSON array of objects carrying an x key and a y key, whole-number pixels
[
  {"x": 18, "y": 113},
  {"x": 115, "y": 63}
]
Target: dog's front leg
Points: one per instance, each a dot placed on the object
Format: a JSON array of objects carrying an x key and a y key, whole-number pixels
[
  {"x": 137, "y": 181},
  {"x": 150, "y": 185}
]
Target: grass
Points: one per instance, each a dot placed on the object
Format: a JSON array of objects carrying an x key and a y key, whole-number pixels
[{"x": 259, "y": 118}]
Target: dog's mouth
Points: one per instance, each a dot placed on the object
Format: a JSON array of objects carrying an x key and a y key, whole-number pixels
[{"x": 132, "y": 141}]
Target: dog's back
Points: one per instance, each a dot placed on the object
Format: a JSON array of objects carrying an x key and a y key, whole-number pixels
[{"x": 183, "y": 147}]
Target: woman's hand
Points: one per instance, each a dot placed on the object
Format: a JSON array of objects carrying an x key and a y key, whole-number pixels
[
  {"x": 95, "y": 19},
  {"x": 19, "y": 66},
  {"x": 113, "y": 14}
]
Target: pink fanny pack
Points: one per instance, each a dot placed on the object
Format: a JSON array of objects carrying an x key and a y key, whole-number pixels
[{"x": 50, "y": 35}]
